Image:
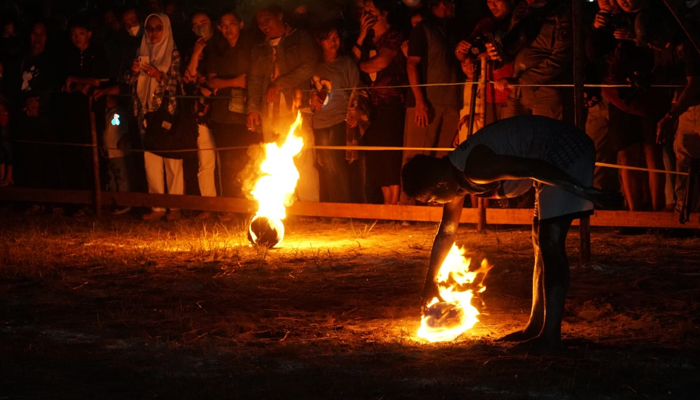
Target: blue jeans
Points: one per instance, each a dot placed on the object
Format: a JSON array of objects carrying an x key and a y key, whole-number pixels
[{"x": 333, "y": 169}]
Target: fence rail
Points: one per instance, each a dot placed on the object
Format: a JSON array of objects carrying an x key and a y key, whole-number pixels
[{"x": 496, "y": 216}]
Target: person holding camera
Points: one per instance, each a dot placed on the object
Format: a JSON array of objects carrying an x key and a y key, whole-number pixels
[
  {"x": 468, "y": 53},
  {"x": 627, "y": 129},
  {"x": 540, "y": 45},
  {"x": 383, "y": 68},
  {"x": 156, "y": 70}
]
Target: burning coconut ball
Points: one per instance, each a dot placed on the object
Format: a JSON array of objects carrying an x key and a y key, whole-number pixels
[{"x": 265, "y": 231}]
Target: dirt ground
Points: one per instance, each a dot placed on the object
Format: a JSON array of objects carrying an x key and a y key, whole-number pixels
[{"x": 124, "y": 309}]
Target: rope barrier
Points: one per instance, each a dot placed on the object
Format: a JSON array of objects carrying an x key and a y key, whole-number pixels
[
  {"x": 359, "y": 148},
  {"x": 555, "y": 85}
]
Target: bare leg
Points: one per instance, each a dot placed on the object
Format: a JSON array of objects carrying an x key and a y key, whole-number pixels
[
  {"x": 632, "y": 181},
  {"x": 391, "y": 194},
  {"x": 556, "y": 284},
  {"x": 534, "y": 325},
  {"x": 653, "y": 154}
]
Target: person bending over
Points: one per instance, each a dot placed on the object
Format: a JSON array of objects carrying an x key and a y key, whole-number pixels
[{"x": 505, "y": 159}]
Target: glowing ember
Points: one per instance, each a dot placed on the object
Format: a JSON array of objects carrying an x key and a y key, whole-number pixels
[
  {"x": 274, "y": 190},
  {"x": 445, "y": 321}
]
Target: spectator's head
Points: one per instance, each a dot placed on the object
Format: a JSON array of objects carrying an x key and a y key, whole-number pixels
[
  {"x": 202, "y": 25},
  {"x": 442, "y": 8},
  {"x": 80, "y": 33},
  {"x": 157, "y": 27},
  {"x": 328, "y": 37},
  {"x": 416, "y": 16},
  {"x": 154, "y": 6},
  {"x": 500, "y": 9},
  {"x": 378, "y": 8},
  {"x": 656, "y": 31},
  {"x": 37, "y": 38},
  {"x": 9, "y": 24},
  {"x": 429, "y": 179},
  {"x": 130, "y": 20},
  {"x": 632, "y": 6},
  {"x": 230, "y": 24},
  {"x": 608, "y": 6},
  {"x": 111, "y": 20},
  {"x": 271, "y": 22}
]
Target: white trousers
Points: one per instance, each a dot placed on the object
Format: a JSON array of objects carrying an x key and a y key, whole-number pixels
[
  {"x": 207, "y": 161},
  {"x": 174, "y": 176}
]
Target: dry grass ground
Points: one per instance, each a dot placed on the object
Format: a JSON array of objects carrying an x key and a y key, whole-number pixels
[{"x": 122, "y": 309}]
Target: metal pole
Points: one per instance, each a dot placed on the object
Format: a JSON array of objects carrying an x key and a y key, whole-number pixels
[
  {"x": 95, "y": 164},
  {"x": 580, "y": 113},
  {"x": 481, "y": 208}
]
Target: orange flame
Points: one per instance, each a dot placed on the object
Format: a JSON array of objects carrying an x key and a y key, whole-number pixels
[
  {"x": 446, "y": 320},
  {"x": 274, "y": 190}
]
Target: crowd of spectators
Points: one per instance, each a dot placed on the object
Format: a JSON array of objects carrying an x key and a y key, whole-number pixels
[{"x": 367, "y": 72}]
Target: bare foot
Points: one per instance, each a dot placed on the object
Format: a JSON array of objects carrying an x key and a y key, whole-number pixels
[{"x": 519, "y": 336}]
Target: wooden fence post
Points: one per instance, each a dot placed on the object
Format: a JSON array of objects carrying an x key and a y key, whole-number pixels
[{"x": 95, "y": 164}]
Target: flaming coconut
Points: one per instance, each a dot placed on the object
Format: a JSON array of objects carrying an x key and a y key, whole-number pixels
[
  {"x": 274, "y": 190},
  {"x": 446, "y": 320}
]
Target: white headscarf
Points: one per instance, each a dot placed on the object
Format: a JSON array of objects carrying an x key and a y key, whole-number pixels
[{"x": 159, "y": 55}]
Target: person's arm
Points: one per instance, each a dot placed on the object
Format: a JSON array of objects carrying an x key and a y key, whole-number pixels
[
  {"x": 255, "y": 78},
  {"x": 379, "y": 62},
  {"x": 689, "y": 95},
  {"x": 560, "y": 58},
  {"x": 484, "y": 166},
  {"x": 215, "y": 82},
  {"x": 169, "y": 81},
  {"x": 82, "y": 81},
  {"x": 442, "y": 244},
  {"x": 192, "y": 66},
  {"x": 421, "y": 118},
  {"x": 300, "y": 74}
]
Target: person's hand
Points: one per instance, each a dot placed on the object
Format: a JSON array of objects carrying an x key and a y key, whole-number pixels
[
  {"x": 430, "y": 291},
  {"x": 187, "y": 77},
  {"x": 665, "y": 129},
  {"x": 422, "y": 117},
  {"x": 136, "y": 66},
  {"x": 503, "y": 84},
  {"x": 152, "y": 71},
  {"x": 367, "y": 21},
  {"x": 273, "y": 93},
  {"x": 253, "y": 120},
  {"x": 199, "y": 46},
  {"x": 492, "y": 52},
  {"x": 32, "y": 107},
  {"x": 455, "y": 140},
  {"x": 315, "y": 101},
  {"x": 98, "y": 93},
  {"x": 121, "y": 144},
  {"x": 624, "y": 34},
  {"x": 601, "y": 20},
  {"x": 404, "y": 48},
  {"x": 66, "y": 85},
  {"x": 463, "y": 47}
]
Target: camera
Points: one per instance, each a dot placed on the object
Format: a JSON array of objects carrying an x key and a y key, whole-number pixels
[
  {"x": 617, "y": 21},
  {"x": 478, "y": 46}
]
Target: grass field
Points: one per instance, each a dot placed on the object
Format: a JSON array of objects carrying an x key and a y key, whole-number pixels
[{"x": 123, "y": 309}]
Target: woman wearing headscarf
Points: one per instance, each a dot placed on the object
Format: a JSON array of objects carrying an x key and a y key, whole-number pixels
[{"x": 156, "y": 70}]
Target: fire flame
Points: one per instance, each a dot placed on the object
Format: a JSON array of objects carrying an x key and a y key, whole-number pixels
[
  {"x": 445, "y": 321},
  {"x": 274, "y": 190}
]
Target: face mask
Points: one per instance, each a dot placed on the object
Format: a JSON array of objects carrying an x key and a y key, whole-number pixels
[
  {"x": 133, "y": 31},
  {"x": 203, "y": 31}
]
